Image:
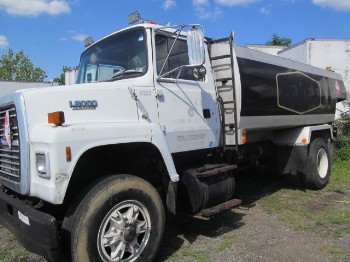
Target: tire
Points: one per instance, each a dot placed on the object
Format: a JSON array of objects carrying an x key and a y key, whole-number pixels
[
  {"x": 120, "y": 217},
  {"x": 319, "y": 164}
]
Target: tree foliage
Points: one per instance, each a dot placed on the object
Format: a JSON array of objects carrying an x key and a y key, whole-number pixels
[
  {"x": 61, "y": 79},
  {"x": 279, "y": 41},
  {"x": 17, "y": 66}
]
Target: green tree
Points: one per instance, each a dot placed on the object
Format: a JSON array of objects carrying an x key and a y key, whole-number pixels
[
  {"x": 61, "y": 79},
  {"x": 17, "y": 66},
  {"x": 280, "y": 41}
]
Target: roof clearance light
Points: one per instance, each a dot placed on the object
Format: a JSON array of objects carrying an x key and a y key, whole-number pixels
[
  {"x": 56, "y": 118},
  {"x": 134, "y": 17}
]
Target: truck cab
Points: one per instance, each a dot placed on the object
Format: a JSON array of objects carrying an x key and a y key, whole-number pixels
[{"x": 136, "y": 105}]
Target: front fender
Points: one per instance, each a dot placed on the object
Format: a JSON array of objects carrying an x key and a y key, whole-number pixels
[{"x": 81, "y": 138}]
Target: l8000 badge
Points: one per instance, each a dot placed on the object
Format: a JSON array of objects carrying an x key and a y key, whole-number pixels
[{"x": 83, "y": 104}]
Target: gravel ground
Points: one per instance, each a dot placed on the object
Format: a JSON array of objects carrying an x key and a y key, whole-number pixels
[{"x": 245, "y": 234}]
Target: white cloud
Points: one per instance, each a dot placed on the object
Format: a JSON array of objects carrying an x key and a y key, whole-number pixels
[
  {"x": 34, "y": 7},
  {"x": 207, "y": 13},
  {"x": 204, "y": 10},
  {"x": 265, "y": 10},
  {"x": 169, "y": 4},
  {"x": 79, "y": 37},
  {"x": 342, "y": 5},
  {"x": 200, "y": 2},
  {"x": 235, "y": 2},
  {"x": 3, "y": 42}
]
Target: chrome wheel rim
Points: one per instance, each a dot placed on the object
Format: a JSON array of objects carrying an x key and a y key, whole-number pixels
[
  {"x": 322, "y": 163},
  {"x": 124, "y": 232}
]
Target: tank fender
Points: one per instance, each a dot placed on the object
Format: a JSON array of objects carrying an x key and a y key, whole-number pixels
[{"x": 300, "y": 136}]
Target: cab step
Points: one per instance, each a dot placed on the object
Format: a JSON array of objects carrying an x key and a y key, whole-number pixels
[{"x": 207, "y": 213}]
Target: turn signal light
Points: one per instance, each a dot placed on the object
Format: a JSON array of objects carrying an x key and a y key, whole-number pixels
[{"x": 56, "y": 118}]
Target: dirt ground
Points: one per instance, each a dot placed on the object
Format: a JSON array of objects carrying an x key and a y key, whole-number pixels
[{"x": 242, "y": 234}]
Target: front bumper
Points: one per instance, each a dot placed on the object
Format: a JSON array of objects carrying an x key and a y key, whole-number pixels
[{"x": 35, "y": 230}]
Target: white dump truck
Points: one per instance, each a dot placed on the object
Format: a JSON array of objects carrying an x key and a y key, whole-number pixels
[{"x": 161, "y": 118}]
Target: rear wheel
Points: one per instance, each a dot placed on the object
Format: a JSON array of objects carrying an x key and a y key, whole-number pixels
[
  {"x": 121, "y": 218},
  {"x": 319, "y": 164}
]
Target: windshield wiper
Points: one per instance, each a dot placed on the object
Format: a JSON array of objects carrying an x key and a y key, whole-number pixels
[{"x": 123, "y": 73}]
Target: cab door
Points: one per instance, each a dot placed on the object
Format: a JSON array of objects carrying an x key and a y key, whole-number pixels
[{"x": 187, "y": 108}]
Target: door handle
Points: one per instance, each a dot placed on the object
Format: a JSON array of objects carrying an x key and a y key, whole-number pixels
[{"x": 206, "y": 113}]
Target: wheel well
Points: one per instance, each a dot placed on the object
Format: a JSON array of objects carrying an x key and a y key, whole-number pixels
[
  {"x": 325, "y": 134},
  {"x": 139, "y": 159}
]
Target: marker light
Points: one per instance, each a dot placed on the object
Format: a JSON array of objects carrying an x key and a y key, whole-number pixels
[
  {"x": 56, "y": 118},
  {"x": 243, "y": 136},
  {"x": 68, "y": 154}
]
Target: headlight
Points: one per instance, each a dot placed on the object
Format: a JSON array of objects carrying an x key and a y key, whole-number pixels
[{"x": 42, "y": 165}]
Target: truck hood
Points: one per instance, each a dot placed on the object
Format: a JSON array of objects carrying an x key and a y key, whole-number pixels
[{"x": 102, "y": 102}]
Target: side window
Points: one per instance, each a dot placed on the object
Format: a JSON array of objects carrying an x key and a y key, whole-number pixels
[{"x": 178, "y": 57}]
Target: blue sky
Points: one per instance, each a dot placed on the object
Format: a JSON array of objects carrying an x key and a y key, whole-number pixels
[{"x": 51, "y": 32}]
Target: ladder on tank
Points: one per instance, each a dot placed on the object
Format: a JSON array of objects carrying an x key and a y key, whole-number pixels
[{"x": 221, "y": 56}]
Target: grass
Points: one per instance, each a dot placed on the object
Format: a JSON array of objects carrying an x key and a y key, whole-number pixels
[
  {"x": 194, "y": 254},
  {"x": 327, "y": 210},
  {"x": 227, "y": 242},
  {"x": 335, "y": 251},
  {"x": 10, "y": 254}
]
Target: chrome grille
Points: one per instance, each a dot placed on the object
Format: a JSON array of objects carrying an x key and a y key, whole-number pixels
[{"x": 9, "y": 155}]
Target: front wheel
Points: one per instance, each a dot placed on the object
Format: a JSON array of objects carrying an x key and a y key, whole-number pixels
[
  {"x": 319, "y": 164},
  {"x": 121, "y": 218}
]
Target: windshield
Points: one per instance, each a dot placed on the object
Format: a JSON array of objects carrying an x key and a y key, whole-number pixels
[{"x": 122, "y": 55}]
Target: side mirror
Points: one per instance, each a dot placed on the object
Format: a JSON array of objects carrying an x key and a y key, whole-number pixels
[
  {"x": 199, "y": 72},
  {"x": 195, "y": 45}
]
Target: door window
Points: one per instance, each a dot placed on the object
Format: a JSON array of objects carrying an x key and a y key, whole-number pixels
[{"x": 178, "y": 57}]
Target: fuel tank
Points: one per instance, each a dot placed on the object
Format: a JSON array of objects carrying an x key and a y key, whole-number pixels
[{"x": 209, "y": 185}]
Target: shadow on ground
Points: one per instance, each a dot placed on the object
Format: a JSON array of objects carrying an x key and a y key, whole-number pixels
[
  {"x": 250, "y": 187},
  {"x": 179, "y": 229}
]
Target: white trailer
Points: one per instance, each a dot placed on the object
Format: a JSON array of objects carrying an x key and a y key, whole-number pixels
[
  {"x": 330, "y": 54},
  {"x": 70, "y": 77}
]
